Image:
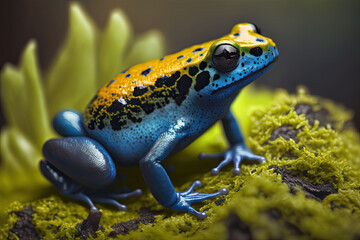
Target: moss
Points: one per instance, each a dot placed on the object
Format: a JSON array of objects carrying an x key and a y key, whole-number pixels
[{"x": 308, "y": 188}]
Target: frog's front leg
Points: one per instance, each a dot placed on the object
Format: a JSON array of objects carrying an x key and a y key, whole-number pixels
[
  {"x": 238, "y": 150},
  {"x": 158, "y": 181}
]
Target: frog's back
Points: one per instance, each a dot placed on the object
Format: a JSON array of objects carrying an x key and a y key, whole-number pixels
[
  {"x": 140, "y": 103},
  {"x": 139, "y": 90}
]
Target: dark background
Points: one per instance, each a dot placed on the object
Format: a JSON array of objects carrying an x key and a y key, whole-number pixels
[{"x": 318, "y": 40}]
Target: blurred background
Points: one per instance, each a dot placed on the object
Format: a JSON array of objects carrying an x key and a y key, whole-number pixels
[{"x": 318, "y": 40}]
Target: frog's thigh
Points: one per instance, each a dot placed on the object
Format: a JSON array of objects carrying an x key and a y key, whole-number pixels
[{"x": 82, "y": 159}]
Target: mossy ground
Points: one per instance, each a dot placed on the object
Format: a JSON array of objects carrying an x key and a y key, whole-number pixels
[{"x": 308, "y": 188}]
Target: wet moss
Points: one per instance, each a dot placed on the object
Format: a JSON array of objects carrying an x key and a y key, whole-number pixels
[{"x": 312, "y": 194}]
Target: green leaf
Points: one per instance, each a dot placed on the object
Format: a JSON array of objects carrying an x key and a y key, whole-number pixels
[
  {"x": 71, "y": 80},
  {"x": 112, "y": 46},
  {"x": 18, "y": 152},
  {"x": 10, "y": 163},
  {"x": 36, "y": 113},
  {"x": 23, "y": 98},
  {"x": 13, "y": 98},
  {"x": 146, "y": 47}
]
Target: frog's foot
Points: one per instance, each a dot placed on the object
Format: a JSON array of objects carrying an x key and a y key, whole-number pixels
[
  {"x": 109, "y": 197},
  {"x": 184, "y": 199},
  {"x": 81, "y": 197},
  {"x": 74, "y": 190},
  {"x": 235, "y": 154}
]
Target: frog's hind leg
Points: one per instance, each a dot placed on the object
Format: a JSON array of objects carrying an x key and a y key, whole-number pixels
[
  {"x": 79, "y": 167},
  {"x": 64, "y": 184}
]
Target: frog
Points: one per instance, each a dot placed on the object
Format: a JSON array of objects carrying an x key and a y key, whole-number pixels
[{"x": 153, "y": 110}]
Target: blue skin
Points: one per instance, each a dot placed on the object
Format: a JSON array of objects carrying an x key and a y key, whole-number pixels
[{"x": 82, "y": 164}]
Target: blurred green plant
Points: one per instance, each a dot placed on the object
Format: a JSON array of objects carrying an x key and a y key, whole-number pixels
[{"x": 87, "y": 59}]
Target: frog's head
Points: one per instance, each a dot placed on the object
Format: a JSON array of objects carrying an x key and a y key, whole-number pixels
[{"x": 237, "y": 59}]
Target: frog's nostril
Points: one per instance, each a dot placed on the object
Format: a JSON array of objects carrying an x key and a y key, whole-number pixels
[{"x": 256, "y": 51}]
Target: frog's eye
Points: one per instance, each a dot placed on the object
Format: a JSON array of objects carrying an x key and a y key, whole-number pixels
[
  {"x": 256, "y": 28},
  {"x": 225, "y": 57}
]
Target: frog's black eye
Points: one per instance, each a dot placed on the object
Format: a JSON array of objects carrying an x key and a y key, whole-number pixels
[
  {"x": 256, "y": 28},
  {"x": 225, "y": 57}
]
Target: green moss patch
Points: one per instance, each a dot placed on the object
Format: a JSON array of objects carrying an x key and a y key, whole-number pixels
[{"x": 308, "y": 188}]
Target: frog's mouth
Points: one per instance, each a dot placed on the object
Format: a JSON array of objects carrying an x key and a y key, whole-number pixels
[{"x": 245, "y": 81}]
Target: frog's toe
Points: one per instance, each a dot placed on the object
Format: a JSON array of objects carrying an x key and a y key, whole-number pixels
[
  {"x": 235, "y": 154},
  {"x": 200, "y": 215},
  {"x": 248, "y": 155},
  {"x": 82, "y": 197},
  {"x": 195, "y": 184},
  {"x": 192, "y": 197},
  {"x": 110, "y": 201},
  {"x": 226, "y": 161},
  {"x": 199, "y": 197},
  {"x": 123, "y": 192},
  {"x": 109, "y": 196},
  {"x": 227, "y": 156},
  {"x": 237, "y": 160},
  {"x": 186, "y": 198},
  {"x": 186, "y": 207},
  {"x": 256, "y": 158},
  {"x": 136, "y": 192}
]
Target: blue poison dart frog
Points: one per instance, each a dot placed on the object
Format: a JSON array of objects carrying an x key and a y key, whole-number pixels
[{"x": 155, "y": 109}]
